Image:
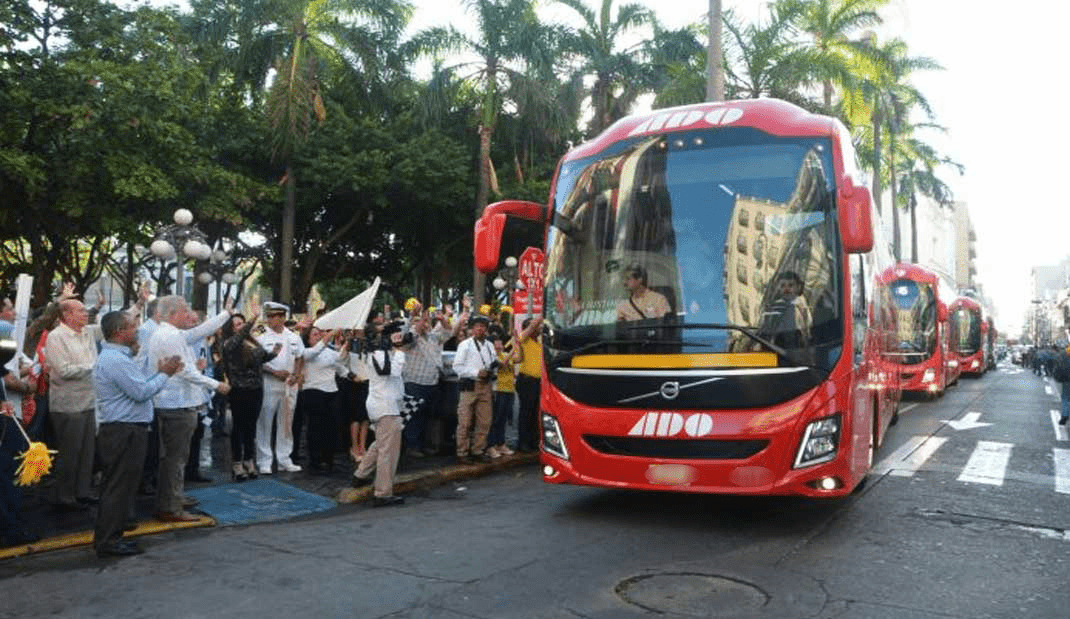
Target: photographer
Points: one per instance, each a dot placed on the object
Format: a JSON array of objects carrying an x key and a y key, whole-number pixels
[{"x": 476, "y": 365}]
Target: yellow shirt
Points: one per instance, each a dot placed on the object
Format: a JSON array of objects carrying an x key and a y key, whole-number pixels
[
  {"x": 506, "y": 381},
  {"x": 532, "y": 362}
]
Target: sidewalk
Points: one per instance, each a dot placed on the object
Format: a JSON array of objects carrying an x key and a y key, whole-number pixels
[{"x": 67, "y": 530}]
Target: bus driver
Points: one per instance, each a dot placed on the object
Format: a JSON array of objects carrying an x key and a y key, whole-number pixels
[{"x": 642, "y": 302}]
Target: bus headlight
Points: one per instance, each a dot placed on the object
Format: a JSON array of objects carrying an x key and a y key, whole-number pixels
[
  {"x": 553, "y": 441},
  {"x": 929, "y": 375},
  {"x": 819, "y": 442}
]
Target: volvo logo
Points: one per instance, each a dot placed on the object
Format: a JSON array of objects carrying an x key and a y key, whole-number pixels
[{"x": 670, "y": 390}]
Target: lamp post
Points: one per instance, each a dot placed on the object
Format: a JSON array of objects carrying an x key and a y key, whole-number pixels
[
  {"x": 180, "y": 241},
  {"x": 220, "y": 269},
  {"x": 506, "y": 280}
]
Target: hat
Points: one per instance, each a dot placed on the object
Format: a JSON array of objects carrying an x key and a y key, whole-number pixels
[
  {"x": 272, "y": 307},
  {"x": 392, "y": 327},
  {"x": 478, "y": 319}
]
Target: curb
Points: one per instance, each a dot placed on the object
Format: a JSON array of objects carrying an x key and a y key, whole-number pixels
[
  {"x": 85, "y": 538},
  {"x": 431, "y": 478}
]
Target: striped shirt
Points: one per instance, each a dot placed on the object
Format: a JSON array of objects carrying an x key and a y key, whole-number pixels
[{"x": 124, "y": 393}]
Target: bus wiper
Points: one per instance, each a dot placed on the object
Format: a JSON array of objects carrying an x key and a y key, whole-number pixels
[{"x": 748, "y": 331}]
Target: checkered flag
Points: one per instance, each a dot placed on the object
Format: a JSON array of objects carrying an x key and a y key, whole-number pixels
[{"x": 409, "y": 406}]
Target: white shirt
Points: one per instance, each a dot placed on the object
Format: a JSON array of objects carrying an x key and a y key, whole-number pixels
[
  {"x": 186, "y": 389},
  {"x": 71, "y": 357},
  {"x": 292, "y": 349},
  {"x": 322, "y": 364},
  {"x": 473, "y": 356},
  {"x": 385, "y": 392}
]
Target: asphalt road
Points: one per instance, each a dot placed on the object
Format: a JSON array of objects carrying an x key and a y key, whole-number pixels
[{"x": 964, "y": 519}]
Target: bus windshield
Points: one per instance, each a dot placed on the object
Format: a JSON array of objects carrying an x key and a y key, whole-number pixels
[
  {"x": 915, "y": 306},
  {"x": 720, "y": 240}
]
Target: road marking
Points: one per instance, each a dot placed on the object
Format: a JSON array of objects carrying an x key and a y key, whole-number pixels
[
  {"x": 987, "y": 463},
  {"x": 1060, "y": 431},
  {"x": 1048, "y": 390},
  {"x": 1062, "y": 470},
  {"x": 968, "y": 422},
  {"x": 903, "y": 462},
  {"x": 907, "y": 408}
]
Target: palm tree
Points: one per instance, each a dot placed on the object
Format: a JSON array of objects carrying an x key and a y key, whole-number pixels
[
  {"x": 831, "y": 24},
  {"x": 509, "y": 41},
  {"x": 885, "y": 98},
  {"x": 919, "y": 175},
  {"x": 617, "y": 72},
  {"x": 764, "y": 59},
  {"x": 301, "y": 43}
]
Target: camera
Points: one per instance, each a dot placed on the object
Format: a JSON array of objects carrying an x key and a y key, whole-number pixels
[{"x": 494, "y": 366}]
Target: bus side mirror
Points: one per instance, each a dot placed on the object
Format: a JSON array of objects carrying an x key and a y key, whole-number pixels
[
  {"x": 856, "y": 218},
  {"x": 487, "y": 243},
  {"x": 490, "y": 228},
  {"x": 941, "y": 312}
]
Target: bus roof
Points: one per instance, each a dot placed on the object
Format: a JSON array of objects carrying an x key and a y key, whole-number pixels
[{"x": 773, "y": 116}]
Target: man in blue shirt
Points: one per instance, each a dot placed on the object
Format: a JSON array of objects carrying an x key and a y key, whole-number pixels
[{"x": 124, "y": 399}]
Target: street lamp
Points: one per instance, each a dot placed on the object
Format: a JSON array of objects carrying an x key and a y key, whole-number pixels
[
  {"x": 507, "y": 279},
  {"x": 178, "y": 242},
  {"x": 220, "y": 269}
]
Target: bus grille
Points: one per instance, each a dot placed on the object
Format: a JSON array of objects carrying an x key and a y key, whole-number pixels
[{"x": 675, "y": 449}]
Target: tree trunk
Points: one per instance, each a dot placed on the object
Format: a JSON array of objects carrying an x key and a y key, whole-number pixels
[
  {"x": 877, "y": 160},
  {"x": 913, "y": 228},
  {"x": 896, "y": 250},
  {"x": 715, "y": 56},
  {"x": 286, "y": 248},
  {"x": 129, "y": 294},
  {"x": 485, "y": 134}
]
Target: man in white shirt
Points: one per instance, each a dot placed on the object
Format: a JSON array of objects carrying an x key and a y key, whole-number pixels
[
  {"x": 475, "y": 366},
  {"x": 385, "y": 393},
  {"x": 179, "y": 403},
  {"x": 282, "y": 376},
  {"x": 71, "y": 350}
]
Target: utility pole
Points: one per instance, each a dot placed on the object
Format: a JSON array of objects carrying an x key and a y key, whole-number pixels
[{"x": 714, "y": 56}]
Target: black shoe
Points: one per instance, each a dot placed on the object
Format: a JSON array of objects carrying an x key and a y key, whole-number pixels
[
  {"x": 464, "y": 460},
  {"x": 130, "y": 525},
  {"x": 147, "y": 489},
  {"x": 484, "y": 458},
  {"x": 197, "y": 478},
  {"x": 1062, "y": 421},
  {"x": 360, "y": 482},
  {"x": 387, "y": 501},
  {"x": 88, "y": 500},
  {"x": 124, "y": 548}
]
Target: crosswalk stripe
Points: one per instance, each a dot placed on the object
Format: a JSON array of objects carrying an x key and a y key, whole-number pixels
[
  {"x": 1048, "y": 390},
  {"x": 906, "y": 460},
  {"x": 1060, "y": 431},
  {"x": 1062, "y": 470},
  {"x": 987, "y": 463}
]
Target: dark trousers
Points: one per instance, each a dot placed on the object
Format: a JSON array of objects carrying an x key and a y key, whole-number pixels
[
  {"x": 149, "y": 475},
  {"x": 413, "y": 434},
  {"x": 503, "y": 409},
  {"x": 75, "y": 442},
  {"x": 121, "y": 452},
  {"x": 12, "y": 443},
  {"x": 193, "y": 462},
  {"x": 244, "y": 411},
  {"x": 320, "y": 408},
  {"x": 297, "y": 428},
  {"x": 527, "y": 423}
]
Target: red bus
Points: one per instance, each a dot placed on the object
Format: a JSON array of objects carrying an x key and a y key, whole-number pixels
[
  {"x": 925, "y": 358},
  {"x": 972, "y": 344},
  {"x": 713, "y": 316}
]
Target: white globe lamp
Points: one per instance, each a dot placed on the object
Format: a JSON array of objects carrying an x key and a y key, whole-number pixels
[{"x": 183, "y": 217}]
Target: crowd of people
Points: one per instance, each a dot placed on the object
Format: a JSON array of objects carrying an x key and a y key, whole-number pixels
[{"x": 125, "y": 400}]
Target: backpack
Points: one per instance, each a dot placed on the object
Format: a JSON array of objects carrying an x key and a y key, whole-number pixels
[{"x": 1062, "y": 369}]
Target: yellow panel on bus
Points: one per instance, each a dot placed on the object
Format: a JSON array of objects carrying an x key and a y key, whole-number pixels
[{"x": 697, "y": 360}]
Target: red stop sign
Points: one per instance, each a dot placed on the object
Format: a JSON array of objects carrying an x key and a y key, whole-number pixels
[{"x": 530, "y": 273}]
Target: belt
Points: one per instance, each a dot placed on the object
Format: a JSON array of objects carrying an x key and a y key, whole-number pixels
[
  {"x": 187, "y": 409},
  {"x": 140, "y": 424}
]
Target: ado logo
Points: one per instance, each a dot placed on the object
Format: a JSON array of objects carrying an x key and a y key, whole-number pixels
[
  {"x": 673, "y": 424},
  {"x": 713, "y": 117}
]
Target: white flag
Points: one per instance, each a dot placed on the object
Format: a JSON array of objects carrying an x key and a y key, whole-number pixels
[{"x": 352, "y": 314}]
